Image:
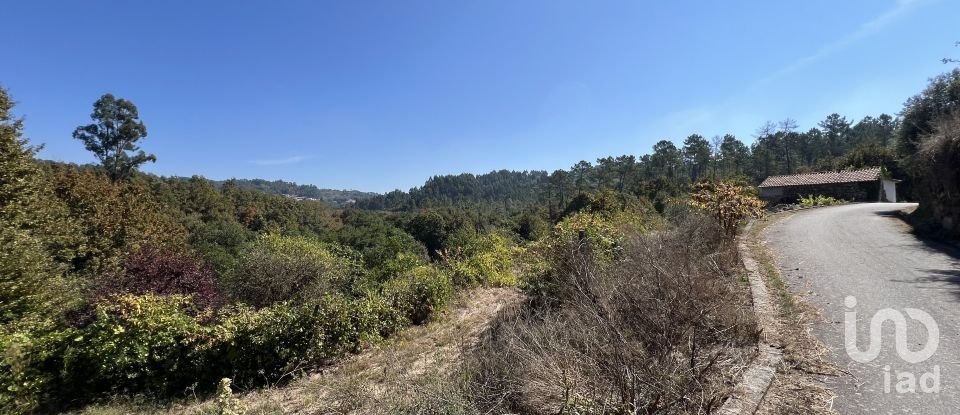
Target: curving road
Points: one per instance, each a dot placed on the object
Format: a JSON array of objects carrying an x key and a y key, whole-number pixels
[{"x": 865, "y": 251}]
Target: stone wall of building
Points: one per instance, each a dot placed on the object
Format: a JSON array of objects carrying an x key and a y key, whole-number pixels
[{"x": 857, "y": 192}]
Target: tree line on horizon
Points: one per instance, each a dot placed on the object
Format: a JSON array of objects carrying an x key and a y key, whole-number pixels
[{"x": 669, "y": 170}]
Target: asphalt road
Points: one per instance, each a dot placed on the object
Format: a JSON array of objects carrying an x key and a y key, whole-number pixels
[{"x": 864, "y": 251}]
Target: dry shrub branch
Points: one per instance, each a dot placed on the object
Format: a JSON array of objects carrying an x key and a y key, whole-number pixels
[{"x": 662, "y": 330}]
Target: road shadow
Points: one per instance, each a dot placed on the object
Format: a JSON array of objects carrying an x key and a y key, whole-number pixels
[
  {"x": 934, "y": 244},
  {"x": 930, "y": 240}
]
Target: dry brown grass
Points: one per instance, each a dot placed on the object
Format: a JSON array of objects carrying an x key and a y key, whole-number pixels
[{"x": 665, "y": 330}]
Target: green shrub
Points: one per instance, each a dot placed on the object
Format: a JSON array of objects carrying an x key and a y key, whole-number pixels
[
  {"x": 278, "y": 268},
  {"x": 252, "y": 345},
  {"x": 602, "y": 235},
  {"x": 29, "y": 366},
  {"x": 400, "y": 264},
  {"x": 820, "y": 200},
  {"x": 487, "y": 260},
  {"x": 378, "y": 240},
  {"x": 158, "y": 347},
  {"x": 267, "y": 344},
  {"x": 142, "y": 343},
  {"x": 380, "y": 319},
  {"x": 419, "y": 293},
  {"x": 600, "y": 231}
]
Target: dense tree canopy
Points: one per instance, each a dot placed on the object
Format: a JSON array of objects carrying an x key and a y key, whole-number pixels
[{"x": 668, "y": 170}]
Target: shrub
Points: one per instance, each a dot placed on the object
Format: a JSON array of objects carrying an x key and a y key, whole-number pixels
[
  {"x": 729, "y": 204},
  {"x": 218, "y": 241},
  {"x": 376, "y": 239},
  {"x": 29, "y": 366},
  {"x": 159, "y": 347},
  {"x": 531, "y": 225},
  {"x": 256, "y": 345},
  {"x": 936, "y": 176},
  {"x": 601, "y": 232},
  {"x": 820, "y": 200},
  {"x": 145, "y": 343},
  {"x": 271, "y": 343},
  {"x": 641, "y": 335},
  {"x": 377, "y": 317},
  {"x": 160, "y": 272},
  {"x": 400, "y": 264},
  {"x": 279, "y": 268},
  {"x": 441, "y": 230},
  {"x": 419, "y": 293},
  {"x": 487, "y": 260}
]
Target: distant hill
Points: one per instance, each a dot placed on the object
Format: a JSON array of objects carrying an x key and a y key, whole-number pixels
[
  {"x": 338, "y": 198},
  {"x": 504, "y": 189}
]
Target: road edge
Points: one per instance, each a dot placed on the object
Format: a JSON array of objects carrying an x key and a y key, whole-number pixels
[{"x": 749, "y": 393}]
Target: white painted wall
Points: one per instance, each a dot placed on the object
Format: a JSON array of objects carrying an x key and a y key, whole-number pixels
[{"x": 889, "y": 190}]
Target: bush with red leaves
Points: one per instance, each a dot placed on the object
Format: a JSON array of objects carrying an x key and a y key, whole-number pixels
[{"x": 161, "y": 272}]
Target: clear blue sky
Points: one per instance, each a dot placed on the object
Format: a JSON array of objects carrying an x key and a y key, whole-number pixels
[{"x": 381, "y": 95}]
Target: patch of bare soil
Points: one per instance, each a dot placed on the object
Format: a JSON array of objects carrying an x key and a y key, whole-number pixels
[{"x": 798, "y": 386}]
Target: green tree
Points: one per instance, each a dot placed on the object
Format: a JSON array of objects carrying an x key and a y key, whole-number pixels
[
  {"x": 696, "y": 154},
  {"x": 605, "y": 173},
  {"x": 734, "y": 156},
  {"x": 581, "y": 172},
  {"x": 113, "y": 136},
  {"x": 626, "y": 165},
  {"x": 666, "y": 160},
  {"x": 788, "y": 136},
  {"x": 875, "y": 131},
  {"x": 560, "y": 185},
  {"x": 113, "y": 220},
  {"x": 29, "y": 278},
  {"x": 921, "y": 111},
  {"x": 836, "y": 133}
]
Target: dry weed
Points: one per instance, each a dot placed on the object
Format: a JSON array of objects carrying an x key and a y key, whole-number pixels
[{"x": 664, "y": 330}]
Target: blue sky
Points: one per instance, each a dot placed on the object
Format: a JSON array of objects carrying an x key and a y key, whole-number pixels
[{"x": 377, "y": 95}]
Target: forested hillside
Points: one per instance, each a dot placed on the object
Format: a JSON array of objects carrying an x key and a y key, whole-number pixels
[
  {"x": 669, "y": 169},
  {"x": 116, "y": 282},
  {"x": 338, "y": 198}
]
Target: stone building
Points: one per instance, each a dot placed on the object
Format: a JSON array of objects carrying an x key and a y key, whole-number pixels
[{"x": 864, "y": 185}]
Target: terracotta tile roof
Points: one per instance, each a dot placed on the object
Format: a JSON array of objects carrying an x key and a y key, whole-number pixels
[{"x": 845, "y": 176}]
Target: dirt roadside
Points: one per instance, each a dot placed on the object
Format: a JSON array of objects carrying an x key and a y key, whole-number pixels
[{"x": 798, "y": 386}]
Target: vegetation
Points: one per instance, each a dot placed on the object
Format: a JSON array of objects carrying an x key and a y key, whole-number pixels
[
  {"x": 668, "y": 172},
  {"x": 729, "y": 204},
  {"x": 820, "y": 200},
  {"x": 928, "y": 143},
  {"x": 638, "y": 335},
  {"x": 116, "y": 282},
  {"x": 338, "y": 198},
  {"x": 114, "y": 135}
]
